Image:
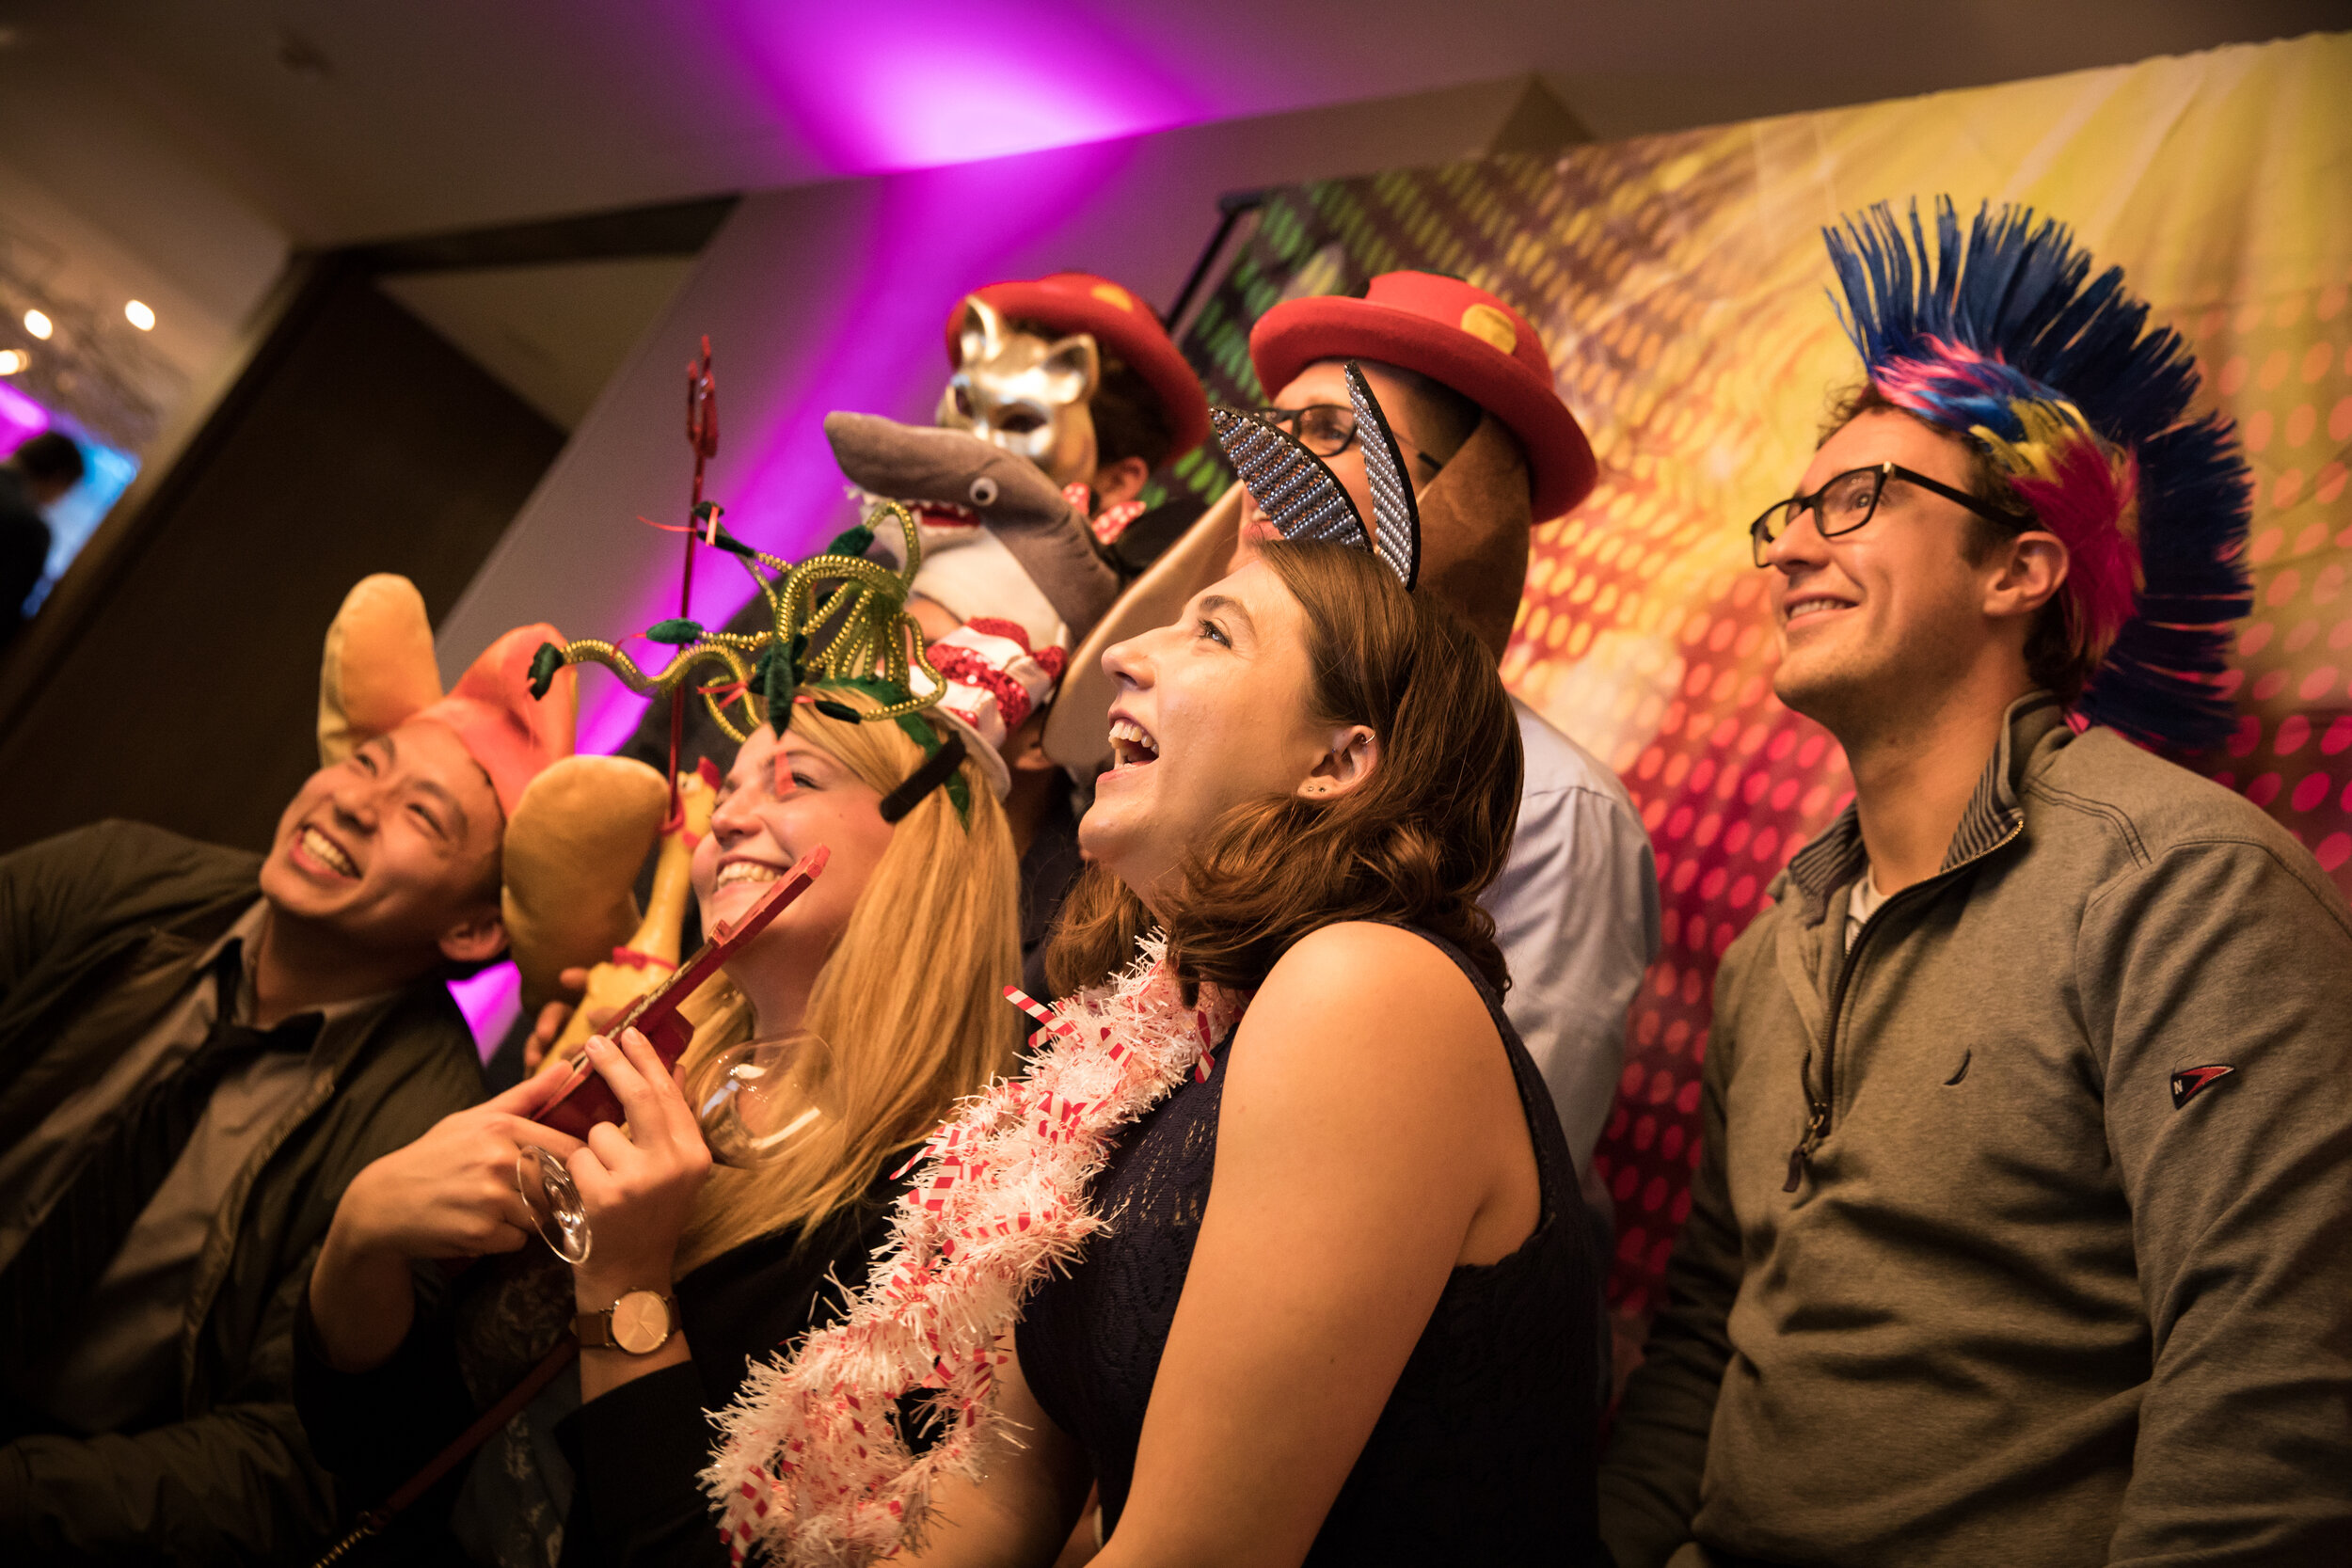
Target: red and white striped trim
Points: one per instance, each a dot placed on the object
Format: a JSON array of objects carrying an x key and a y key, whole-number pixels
[
  {"x": 812, "y": 1467},
  {"x": 994, "y": 681}
]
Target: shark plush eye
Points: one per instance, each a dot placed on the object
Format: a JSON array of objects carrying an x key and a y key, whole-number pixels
[{"x": 983, "y": 491}]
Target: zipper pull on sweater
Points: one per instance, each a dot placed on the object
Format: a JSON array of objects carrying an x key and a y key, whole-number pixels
[{"x": 1806, "y": 1145}]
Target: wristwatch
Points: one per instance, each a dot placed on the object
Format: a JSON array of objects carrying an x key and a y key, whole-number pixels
[{"x": 641, "y": 1322}]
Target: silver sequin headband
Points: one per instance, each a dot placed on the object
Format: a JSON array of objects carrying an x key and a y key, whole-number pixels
[{"x": 1305, "y": 500}]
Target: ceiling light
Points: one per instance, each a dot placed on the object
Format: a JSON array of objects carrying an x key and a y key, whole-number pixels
[
  {"x": 39, "y": 324},
  {"x": 13, "y": 360},
  {"x": 140, "y": 315}
]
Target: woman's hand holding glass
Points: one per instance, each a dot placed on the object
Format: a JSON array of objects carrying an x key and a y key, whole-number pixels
[
  {"x": 486, "y": 1180},
  {"x": 747, "y": 1104},
  {"x": 637, "y": 1188}
]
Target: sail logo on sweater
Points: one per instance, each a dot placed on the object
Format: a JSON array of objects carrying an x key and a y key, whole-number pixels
[{"x": 2190, "y": 1082}]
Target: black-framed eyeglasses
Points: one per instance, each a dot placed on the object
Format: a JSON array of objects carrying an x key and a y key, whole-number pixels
[
  {"x": 1328, "y": 429},
  {"x": 1325, "y": 429},
  {"x": 1852, "y": 498}
]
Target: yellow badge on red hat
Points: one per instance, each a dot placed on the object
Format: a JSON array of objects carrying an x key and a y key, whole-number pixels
[
  {"x": 1112, "y": 294},
  {"x": 1490, "y": 326}
]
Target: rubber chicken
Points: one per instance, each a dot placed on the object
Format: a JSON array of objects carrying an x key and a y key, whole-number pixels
[{"x": 654, "y": 951}]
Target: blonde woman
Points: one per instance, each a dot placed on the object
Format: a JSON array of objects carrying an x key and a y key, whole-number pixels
[{"x": 895, "y": 958}]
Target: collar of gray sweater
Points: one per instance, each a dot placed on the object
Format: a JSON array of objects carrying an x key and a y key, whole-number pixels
[{"x": 1836, "y": 857}]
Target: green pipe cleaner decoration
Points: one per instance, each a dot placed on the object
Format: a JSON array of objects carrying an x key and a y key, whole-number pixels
[{"x": 839, "y": 619}]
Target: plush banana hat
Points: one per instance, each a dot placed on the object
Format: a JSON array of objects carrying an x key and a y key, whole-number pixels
[{"x": 578, "y": 828}]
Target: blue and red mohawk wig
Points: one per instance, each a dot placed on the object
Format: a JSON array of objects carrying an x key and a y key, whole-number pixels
[{"x": 2006, "y": 340}]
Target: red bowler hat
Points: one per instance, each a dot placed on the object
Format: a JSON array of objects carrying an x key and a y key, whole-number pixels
[
  {"x": 1456, "y": 334},
  {"x": 1081, "y": 301}
]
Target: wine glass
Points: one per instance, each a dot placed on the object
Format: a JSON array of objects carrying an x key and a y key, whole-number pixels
[
  {"x": 759, "y": 1098},
  {"x": 547, "y": 1192}
]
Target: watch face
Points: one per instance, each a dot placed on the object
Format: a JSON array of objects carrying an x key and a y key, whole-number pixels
[{"x": 641, "y": 1322}]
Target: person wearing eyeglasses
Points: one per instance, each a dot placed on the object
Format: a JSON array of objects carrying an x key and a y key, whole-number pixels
[
  {"x": 1490, "y": 450},
  {"x": 2019, "y": 1233}
]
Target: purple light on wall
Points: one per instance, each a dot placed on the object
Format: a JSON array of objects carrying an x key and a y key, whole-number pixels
[
  {"x": 21, "y": 418},
  {"x": 491, "y": 1002},
  {"x": 933, "y": 235},
  {"x": 923, "y": 84},
  {"x": 608, "y": 714}
]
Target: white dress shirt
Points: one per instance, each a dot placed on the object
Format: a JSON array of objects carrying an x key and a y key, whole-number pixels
[{"x": 1576, "y": 912}]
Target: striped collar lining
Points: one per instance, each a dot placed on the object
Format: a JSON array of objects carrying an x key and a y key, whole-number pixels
[{"x": 1836, "y": 857}]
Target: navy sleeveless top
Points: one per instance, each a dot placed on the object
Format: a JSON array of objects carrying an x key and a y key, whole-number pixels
[{"x": 1486, "y": 1448}]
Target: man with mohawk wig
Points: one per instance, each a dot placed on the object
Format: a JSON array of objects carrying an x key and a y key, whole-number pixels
[{"x": 2019, "y": 1233}]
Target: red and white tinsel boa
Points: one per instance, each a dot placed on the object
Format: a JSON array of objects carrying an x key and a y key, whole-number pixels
[{"x": 812, "y": 1468}]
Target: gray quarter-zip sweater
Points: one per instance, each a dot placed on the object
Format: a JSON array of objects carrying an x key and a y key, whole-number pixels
[{"x": 2023, "y": 1235}]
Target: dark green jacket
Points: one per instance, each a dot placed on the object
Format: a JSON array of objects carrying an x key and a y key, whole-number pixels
[
  {"x": 99, "y": 929},
  {"x": 2026, "y": 1296}
]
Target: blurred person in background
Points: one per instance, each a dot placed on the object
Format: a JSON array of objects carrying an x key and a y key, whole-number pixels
[{"x": 33, "y": 478}]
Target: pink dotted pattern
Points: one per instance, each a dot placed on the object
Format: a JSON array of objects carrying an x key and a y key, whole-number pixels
[
  {"x": 1731, "y": 783},
  {"x": 2287, "y": 373}
]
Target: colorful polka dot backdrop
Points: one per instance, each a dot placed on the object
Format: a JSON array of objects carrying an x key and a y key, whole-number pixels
[{"x": 1681, "y": 285}]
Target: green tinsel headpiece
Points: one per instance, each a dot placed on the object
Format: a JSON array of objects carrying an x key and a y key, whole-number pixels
[{"x": 840, "y": 623}]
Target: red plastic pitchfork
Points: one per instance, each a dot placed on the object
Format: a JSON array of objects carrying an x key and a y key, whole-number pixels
[
  {"x": 702, "y": 525},
  {"x": 584, "y": 1099}
]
